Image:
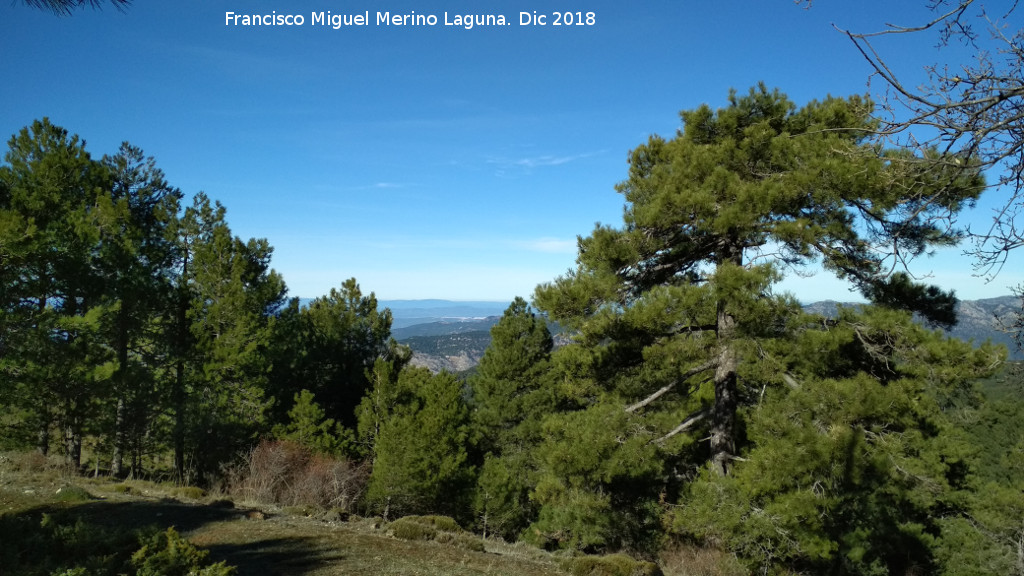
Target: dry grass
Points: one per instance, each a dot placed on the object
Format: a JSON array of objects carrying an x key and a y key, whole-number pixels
[
  {"x": 258, "y": 541},
  {"x": 685, "y": 560},
  {"x": 262, "y": 541},
  {"x": 288, "y": 545}
]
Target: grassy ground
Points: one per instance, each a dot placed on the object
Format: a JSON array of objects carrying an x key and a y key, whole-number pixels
[
  {"x": 266, "y": 541},
  {"x": 259, "y": 541}
]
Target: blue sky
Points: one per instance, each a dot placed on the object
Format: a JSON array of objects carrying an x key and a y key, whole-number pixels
[{"x": 430, "y": 162}]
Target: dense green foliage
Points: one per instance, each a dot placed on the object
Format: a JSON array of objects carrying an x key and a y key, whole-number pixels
[
  {"x": 688, "y": 403},
  {"x": 510, "y": 397},
  {"x": 329, "y": 347},
  {"x": 420, "y": 443},
  {"x": 681, "y": 341},
  {"x": 141, "y": 329},
  {"x": 53, "y": 545},
  {"x": 855, "y": 470},
  {"x": 309, "y": 427}
]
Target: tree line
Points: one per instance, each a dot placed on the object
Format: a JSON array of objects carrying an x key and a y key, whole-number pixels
[
  {"x": 692, "y": 402},
  {"x": 144, "y": 326}
]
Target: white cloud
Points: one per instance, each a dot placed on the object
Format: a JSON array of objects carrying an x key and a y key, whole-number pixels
[
  {"x": 548, "y": 245},
  {"x": 530, "y": 162}
]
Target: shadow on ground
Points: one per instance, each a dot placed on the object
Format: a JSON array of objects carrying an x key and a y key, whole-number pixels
[
  {"x": 274, "y": 556},
  {"x": 256, "y": 553}
]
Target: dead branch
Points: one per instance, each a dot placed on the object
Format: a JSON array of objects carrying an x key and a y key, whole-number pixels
[
  {"x": 690, "y": 422},
  {"x": 713, "y": 363}
]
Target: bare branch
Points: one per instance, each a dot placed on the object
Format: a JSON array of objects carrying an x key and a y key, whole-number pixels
[
  {"x": 713, "y": 363},
  {"x": 690, "y": 422},
  {"x": 975, "y": 111}
]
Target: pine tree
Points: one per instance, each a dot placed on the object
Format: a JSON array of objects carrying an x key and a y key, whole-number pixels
[
  {"x": 508, "y": 385},
  {"x": 511, "y": 396},
  {"x": 136, "y": 258},
  {"x": 419, "y": 424},
  {"x": 334, "y": 343},
  {"x": 226, "y": 295},
  {"x": 53, "y": 298},
  {"x": 309, "y": 426},
  {"x": 676, "y": 328},
  {"x": 856, "y": 466},
  {"x": 683, "y": 291}
]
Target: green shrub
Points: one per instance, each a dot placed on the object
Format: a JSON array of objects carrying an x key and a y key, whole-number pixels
[
  {"x": 468, "y": 542},
  {"x": 168, "y": 554},
  {"x": 613, "y": 565},
  {"x": 440, "y": 529},
  {"x": 73, "y": 494},
  {"x": 409, "y": 529},
  {"x": 58, "y": 544},
  {"x": 190, "y": 492},
  {"x": 440, "y": 522}
]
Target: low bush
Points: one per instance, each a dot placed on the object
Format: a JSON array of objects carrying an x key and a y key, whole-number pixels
[
  {"x": 468, "y": 542},
  {"x": 33, "y": 462},
  {"x": 59, "y": 544},
  {"x": 73, "y": 494},
  {"x": 689, "y": 560},
  {"x": 445, "y": 523},
  {"x": 297, "y": 510},
  {"x": 612, "y": 565},
  {"x": 190, "y": 492},
  {"x": 440, "y": 529},
  {"x": 168, "y": 554},
  {"x": 409, "y": 529},
  {"x": 289, "y": 474}
]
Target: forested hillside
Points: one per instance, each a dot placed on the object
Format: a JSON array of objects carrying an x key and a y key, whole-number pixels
[
  {"x": 690, "y": 407},
  {"x": 458, "y": 346}
]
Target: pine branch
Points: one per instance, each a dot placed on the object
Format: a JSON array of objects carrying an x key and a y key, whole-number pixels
[
  {"x": 713, "y": 363},
  {"x": 690, "y": 422}
]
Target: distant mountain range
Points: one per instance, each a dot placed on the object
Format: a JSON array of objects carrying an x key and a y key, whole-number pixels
[
  {"x": 977, "y": 320},
  {"x": 452, "y": 336},
  {"x": 413, "y": 312}
]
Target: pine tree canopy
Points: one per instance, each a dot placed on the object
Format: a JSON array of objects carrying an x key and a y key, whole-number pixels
[{"x": 681, "y": 293}]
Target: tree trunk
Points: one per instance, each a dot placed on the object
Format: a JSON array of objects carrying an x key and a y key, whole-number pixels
[
  {"x": 43, "y": 432},
  {"x": 723, "y": 414},
  {"x": 178, "y": 393},
  {"x": 72, "y": 446},
  {"x": 178, "y": 401},
  {"x": 181, "y": 351},
  {"x": 116, "y": 460},
  {"x": 43, "y": 435},
  {"x": 121, "y": 389}
]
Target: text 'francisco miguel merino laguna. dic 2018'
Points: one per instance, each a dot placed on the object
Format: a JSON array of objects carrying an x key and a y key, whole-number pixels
[{"x": 467, "y": 21}]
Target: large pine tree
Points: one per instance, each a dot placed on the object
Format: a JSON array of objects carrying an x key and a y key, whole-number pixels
[
  {"x": 136, "y": 255},
  {"x": 681, "y": 294},
  {"x": 53, "y": 302},
  {"x": 226, "y": 295}
]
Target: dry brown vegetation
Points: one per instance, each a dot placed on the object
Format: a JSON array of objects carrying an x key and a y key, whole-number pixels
[{"x": 288, "y": 474}]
